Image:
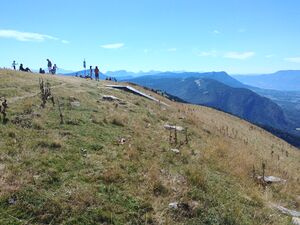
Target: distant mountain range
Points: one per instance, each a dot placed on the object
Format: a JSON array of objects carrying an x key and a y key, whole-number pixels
[
  {"x": 220, "y": 91},
  {"x": 201, "y": 90},
  {"x": 222, "y": 77},
  {"x": 83, "y": 73},
  {"x": 123, "y": 74},
  {"x": 285, "y": 80},
  {"x": 119, "y": 74}
]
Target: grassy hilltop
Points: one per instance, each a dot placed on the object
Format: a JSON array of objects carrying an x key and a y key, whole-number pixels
[{"x": 80, "y": 172}]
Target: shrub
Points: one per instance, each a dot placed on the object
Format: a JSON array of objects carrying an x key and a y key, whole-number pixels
[
  {"x": 197, "y": 178},
  {"x": 96, "y": 147},
  {"x": 51, "y": 145},
  {"x": 73, "y": 122},
  {"x": 117, "y": 122},
  {"x": 11, "y": 134},
  {"x": 159, "y": 189}
]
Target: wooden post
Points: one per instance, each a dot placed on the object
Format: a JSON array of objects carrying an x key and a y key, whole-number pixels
[
  {"x": 3, "y": 108},
  {"x": 52, "y": 100},
  {"x": 175, "y": 137},
  {"x": 186, "y": 136},
  {"x": 263, "y": 168},
  {"x": 170, "y": 138},
  {"x": 45, "y": 92},
  {"x": 60, "y": 113}
]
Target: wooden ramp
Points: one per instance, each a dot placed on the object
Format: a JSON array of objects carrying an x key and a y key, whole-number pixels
[{"x": 136, "y": 92}]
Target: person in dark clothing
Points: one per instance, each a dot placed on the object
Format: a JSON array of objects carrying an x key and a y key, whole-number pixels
[
  {"x": 53, "y": 71},
  {"x": 96, "y": 73},
  {"x": 42, "y": 71},
  {"x": 21, "y": 68},
  {"x": 91, "y": 72},
  {"x": 49, "y": 64}
]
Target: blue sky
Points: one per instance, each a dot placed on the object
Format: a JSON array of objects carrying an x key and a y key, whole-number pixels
[{"x": 237, "y": 36}]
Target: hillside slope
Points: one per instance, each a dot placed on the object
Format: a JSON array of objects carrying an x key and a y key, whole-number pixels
[
  {"x": 240, "y": 102},
  {"x": 111, "y": 162}
]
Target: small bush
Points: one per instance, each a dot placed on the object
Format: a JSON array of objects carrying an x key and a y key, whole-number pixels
[
  {"x": 37, "y": 126},
  {"x": 51, "y": 178},
  {"x": 159, "y": 189},
  {"x": 105, "y": 121},
  {"x": 23, "y": 121},
  {"x": 113, "y": 175},
  {"x": 197, "y": 178},
  {"x": 52, "y": 145},
  {"x": 55, "y": 145},
  {"x": 117, "y": 122},
  {"x": 96, "y": 147},
  {"x": 11, "y": 134},
  {"x": 119, "y": 119},
  {"x": 73, "y": 122},
  {"x": 65, "y": 133}
]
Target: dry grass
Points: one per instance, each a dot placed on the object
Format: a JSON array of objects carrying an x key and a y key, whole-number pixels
[{"x": 78, "y": 172}]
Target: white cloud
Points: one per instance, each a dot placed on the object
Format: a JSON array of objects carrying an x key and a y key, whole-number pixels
[
  {"x": 293, "y": 59},
  {"x": 172, "y": 49},
  {"x": 242, "y": 30},
  {"x": 269, "y": 56},
  {"x": 212, "y": 53},
  {"x": 146, "y": 50},
  {"x": 239, "y": 55},
  {"x": 217, "y": 32},
  {"x": 65, "y": 42},
  {"x": 26, "y": 36},
  {"x": 113, "y": 46}
]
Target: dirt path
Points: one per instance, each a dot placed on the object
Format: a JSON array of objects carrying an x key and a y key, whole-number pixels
[{"x": 17, "y": 98}]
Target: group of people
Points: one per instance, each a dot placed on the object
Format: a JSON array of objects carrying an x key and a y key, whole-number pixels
[
  {"x": 89, "y": 75},
  {"x": 111, "y": 79},
  {"x": 53, "y": 68},
  {"x": 96, "y": 71},
  {"x": 21, "y": 68}
]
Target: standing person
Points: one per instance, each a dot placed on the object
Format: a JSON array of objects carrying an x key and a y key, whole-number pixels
[
  {"x": 84, "y": 66},
  {"x": 49, "y": 65},
  {"x": 91, "y": 72},
  {"x": 14, "y": 64},
  {"x": 96, "y": 73}
]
